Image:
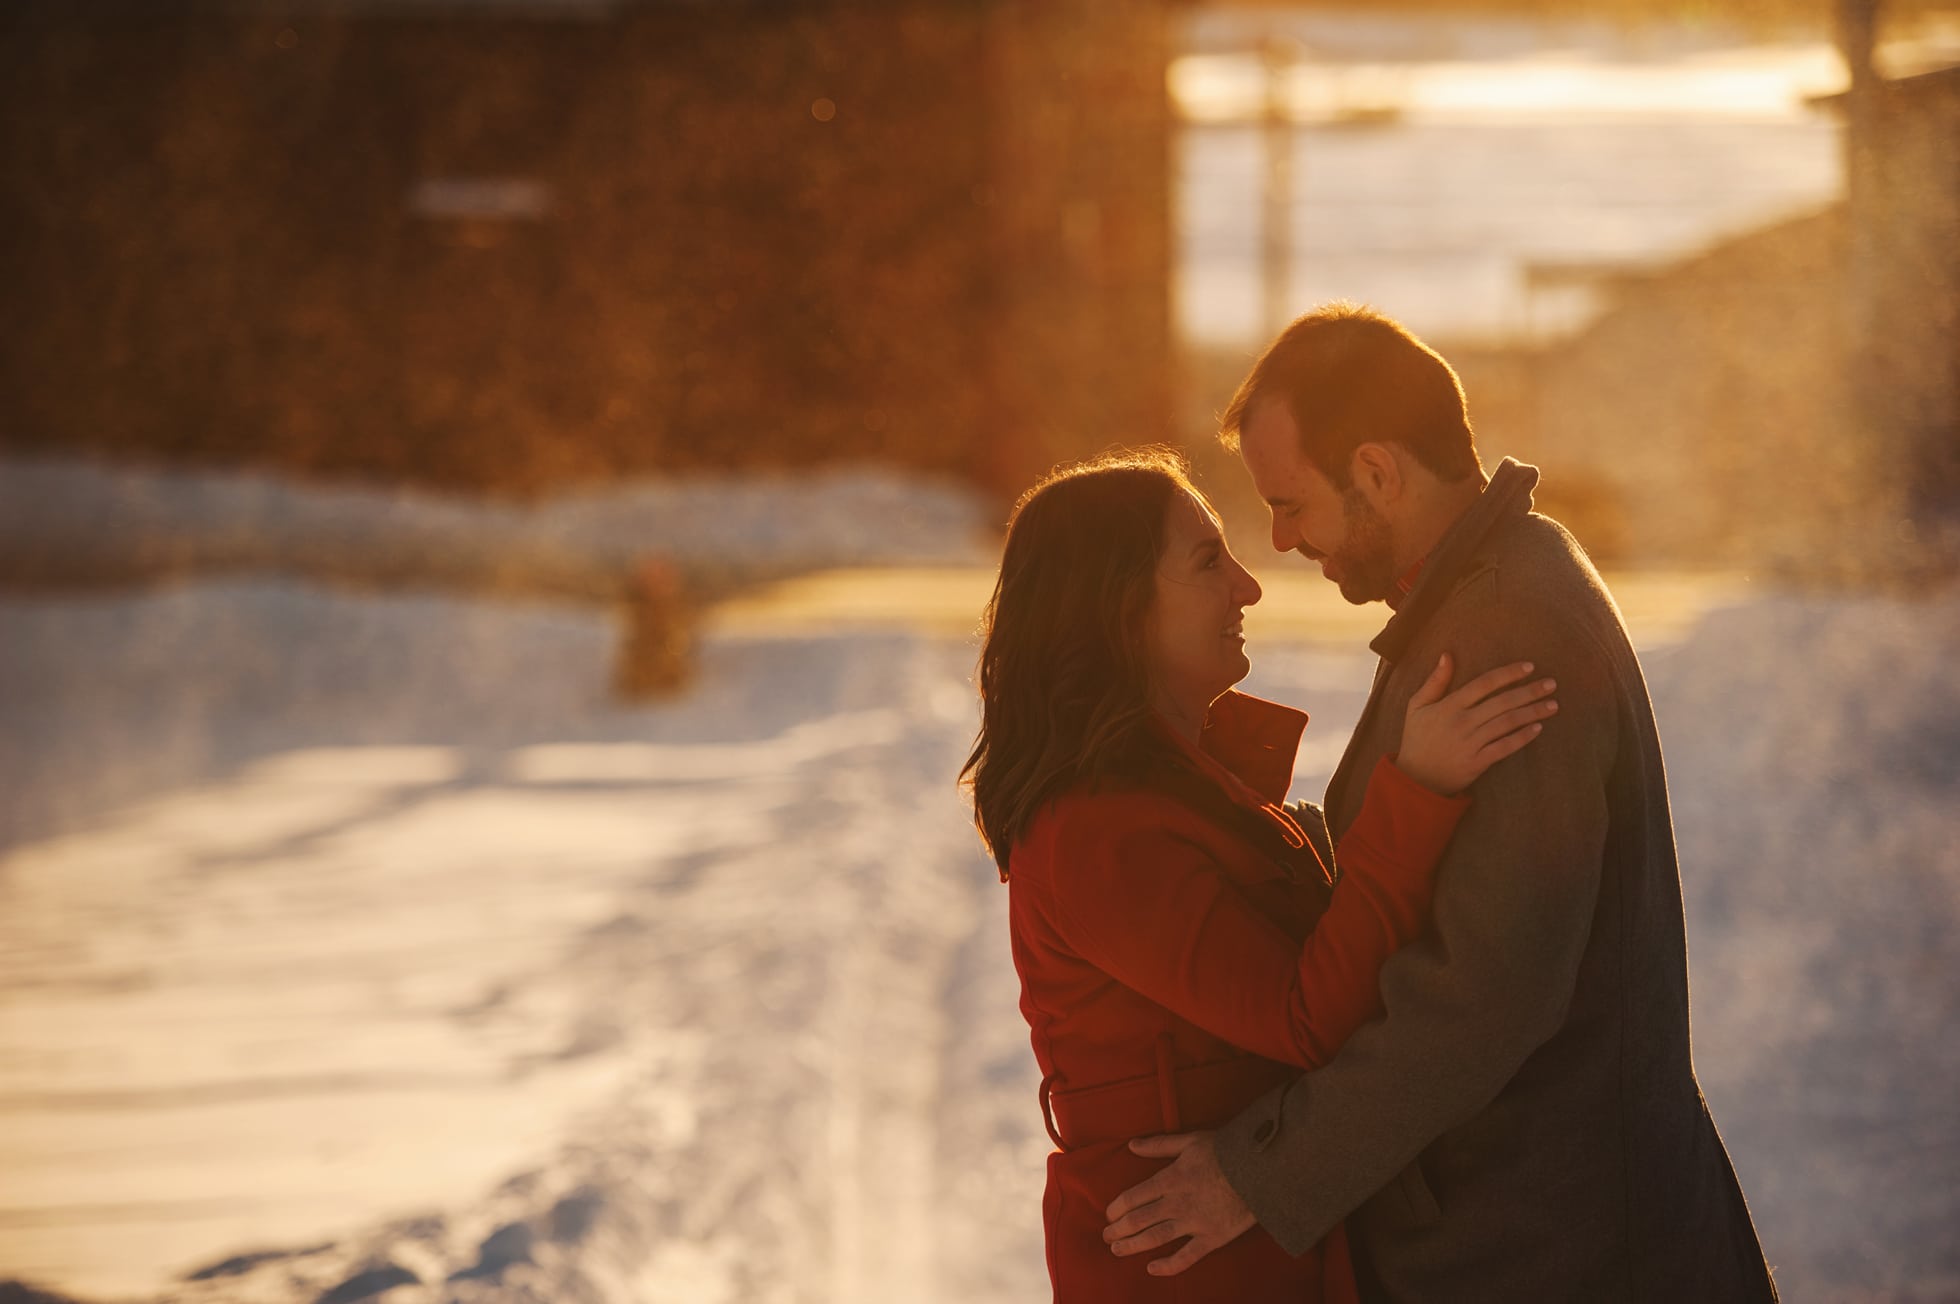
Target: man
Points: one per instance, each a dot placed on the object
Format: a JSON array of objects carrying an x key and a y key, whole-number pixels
[{"x": 1523, "y": 1121}]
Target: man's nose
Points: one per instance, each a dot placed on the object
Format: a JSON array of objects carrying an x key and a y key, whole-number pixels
[{"x": 1285, "y": 537}]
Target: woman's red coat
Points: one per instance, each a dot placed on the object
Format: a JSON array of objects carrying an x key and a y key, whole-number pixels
[{"x": 1149, "y": 935}]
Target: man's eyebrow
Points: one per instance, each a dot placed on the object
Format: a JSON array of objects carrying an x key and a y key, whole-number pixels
[{"x": 1279, "y": 502}]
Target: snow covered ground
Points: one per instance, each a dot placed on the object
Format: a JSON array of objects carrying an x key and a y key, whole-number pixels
[
  {"x": 412, "y": 950},
  {"x": 357, "y": 940}
]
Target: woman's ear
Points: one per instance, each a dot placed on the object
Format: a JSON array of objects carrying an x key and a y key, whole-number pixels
[{"x": 1377, "y": 474}]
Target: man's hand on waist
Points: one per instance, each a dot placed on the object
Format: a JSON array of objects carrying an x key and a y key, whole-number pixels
[{"x": 1190, "y": 1198}]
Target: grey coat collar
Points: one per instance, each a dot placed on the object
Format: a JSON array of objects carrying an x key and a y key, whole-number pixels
[{"x": 1507, "y": 496}]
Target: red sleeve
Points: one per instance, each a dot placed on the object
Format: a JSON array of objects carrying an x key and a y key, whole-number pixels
[{"x": 1145, "y": 904}]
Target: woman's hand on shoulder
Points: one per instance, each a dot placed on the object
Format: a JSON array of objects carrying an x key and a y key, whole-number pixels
[{"x": 1449, "y": 739}]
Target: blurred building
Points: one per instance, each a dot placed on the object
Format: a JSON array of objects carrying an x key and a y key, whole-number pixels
[
  {"x": 1705, "y": 417},
  {"x": 518, "y": 245},
  {"x": 1905, "y": 289},
  {"x": 1789, "y": 397}
]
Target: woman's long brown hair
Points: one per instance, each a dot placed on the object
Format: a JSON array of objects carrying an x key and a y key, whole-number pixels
[{"x": 1063, "y": 686}]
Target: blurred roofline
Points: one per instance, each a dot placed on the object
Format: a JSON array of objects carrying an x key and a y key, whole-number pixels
[
  {"x": 1745, "y": 13},
  {"x": 1931, "y": 81},
  {"x": 1742, "y": 12}
]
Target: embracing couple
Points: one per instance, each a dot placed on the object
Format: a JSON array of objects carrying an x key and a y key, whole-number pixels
[{"x": 1429, "y": 1042}]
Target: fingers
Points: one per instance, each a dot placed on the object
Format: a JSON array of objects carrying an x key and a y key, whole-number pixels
[
  {"x": 1435, "y": 686},
  {"x": 1168, "y": 1146},
  {"x": 1153, "y": 1237},
  {"x": 1152, "y": 1188},
  {"x": 1490, "y": 682},
  {"x": 1520, "y": 705},
  {"x": 1516, "y": 741},
  {"x": 1514, "y": 719},
  {"x": 1120, "y": 1232},
  {"x": 1146, "y": 1192},
  {"x": 1194, "y": 1249}
]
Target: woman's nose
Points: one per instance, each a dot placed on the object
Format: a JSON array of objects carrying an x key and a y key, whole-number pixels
[{"x": 1249, "y": 590}]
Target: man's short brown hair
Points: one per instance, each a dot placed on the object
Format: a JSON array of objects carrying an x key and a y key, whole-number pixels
[{"x": 1351, "y": 376}]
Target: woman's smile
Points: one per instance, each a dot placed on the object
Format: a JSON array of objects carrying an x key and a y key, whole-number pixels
[{"x": 1198, "y": 580}]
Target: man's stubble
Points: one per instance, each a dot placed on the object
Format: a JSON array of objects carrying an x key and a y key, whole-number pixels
[{"x": 1365, "y": 561}]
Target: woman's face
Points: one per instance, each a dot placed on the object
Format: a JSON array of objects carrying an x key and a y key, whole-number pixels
[{"x": 1194, "y": 634}]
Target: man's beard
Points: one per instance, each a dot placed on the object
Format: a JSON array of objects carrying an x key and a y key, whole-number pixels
[{"x": 1366, "y": 557}]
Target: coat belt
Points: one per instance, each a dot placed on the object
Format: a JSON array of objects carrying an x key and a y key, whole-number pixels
[{"x": 1172, "y": 1099}]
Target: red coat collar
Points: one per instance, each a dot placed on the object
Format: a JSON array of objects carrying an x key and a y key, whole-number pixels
[
  {"x": 1254, "y": 741},
  {"x": 1247, "y": 748}
]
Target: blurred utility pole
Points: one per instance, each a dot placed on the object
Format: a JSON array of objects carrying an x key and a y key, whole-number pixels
[
  {"x": 1277, "y": 262},
  {"x": 1864, "y": 291},
  {"x": 1857, "y": 36},
  {"x": 1857, "y": 33}
]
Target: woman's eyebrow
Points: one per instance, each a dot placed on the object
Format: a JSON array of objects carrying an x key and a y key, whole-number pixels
[{"x": 1203, "y": 544}]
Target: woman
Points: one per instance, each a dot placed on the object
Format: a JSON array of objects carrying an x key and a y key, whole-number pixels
[{"x": 1180, "y": 944}]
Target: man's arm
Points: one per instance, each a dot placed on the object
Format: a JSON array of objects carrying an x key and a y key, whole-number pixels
[{"x": 1492, "y": 978}]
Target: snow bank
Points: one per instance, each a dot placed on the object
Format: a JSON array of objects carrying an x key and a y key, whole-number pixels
[
  {"x": 67, "y": 520},
  {"x": 665, "y": 990}
]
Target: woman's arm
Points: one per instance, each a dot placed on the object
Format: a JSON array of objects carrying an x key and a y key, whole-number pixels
[
  {"x": 1137, "y": 895},
  {"x": 1142, "y": 900}
]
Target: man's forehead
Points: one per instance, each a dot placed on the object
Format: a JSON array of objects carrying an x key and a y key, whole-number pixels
[
  {"x": 1269, "y": 444},
  {"x": 1270, "y": 413},
  {"x": 1270, "y": 435}
]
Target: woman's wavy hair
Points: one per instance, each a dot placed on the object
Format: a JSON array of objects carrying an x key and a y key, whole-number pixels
[{"x": 1063, "y": 680}]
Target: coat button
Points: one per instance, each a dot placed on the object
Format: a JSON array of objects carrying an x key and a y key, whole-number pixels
[{"x": 1263, "y": 1135}]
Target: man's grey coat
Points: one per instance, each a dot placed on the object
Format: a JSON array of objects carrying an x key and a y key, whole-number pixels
[{"x": 1523, "y": 1123}]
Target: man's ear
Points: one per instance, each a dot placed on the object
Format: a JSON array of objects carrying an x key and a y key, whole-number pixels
[{"x": 1377, "y": 473}]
